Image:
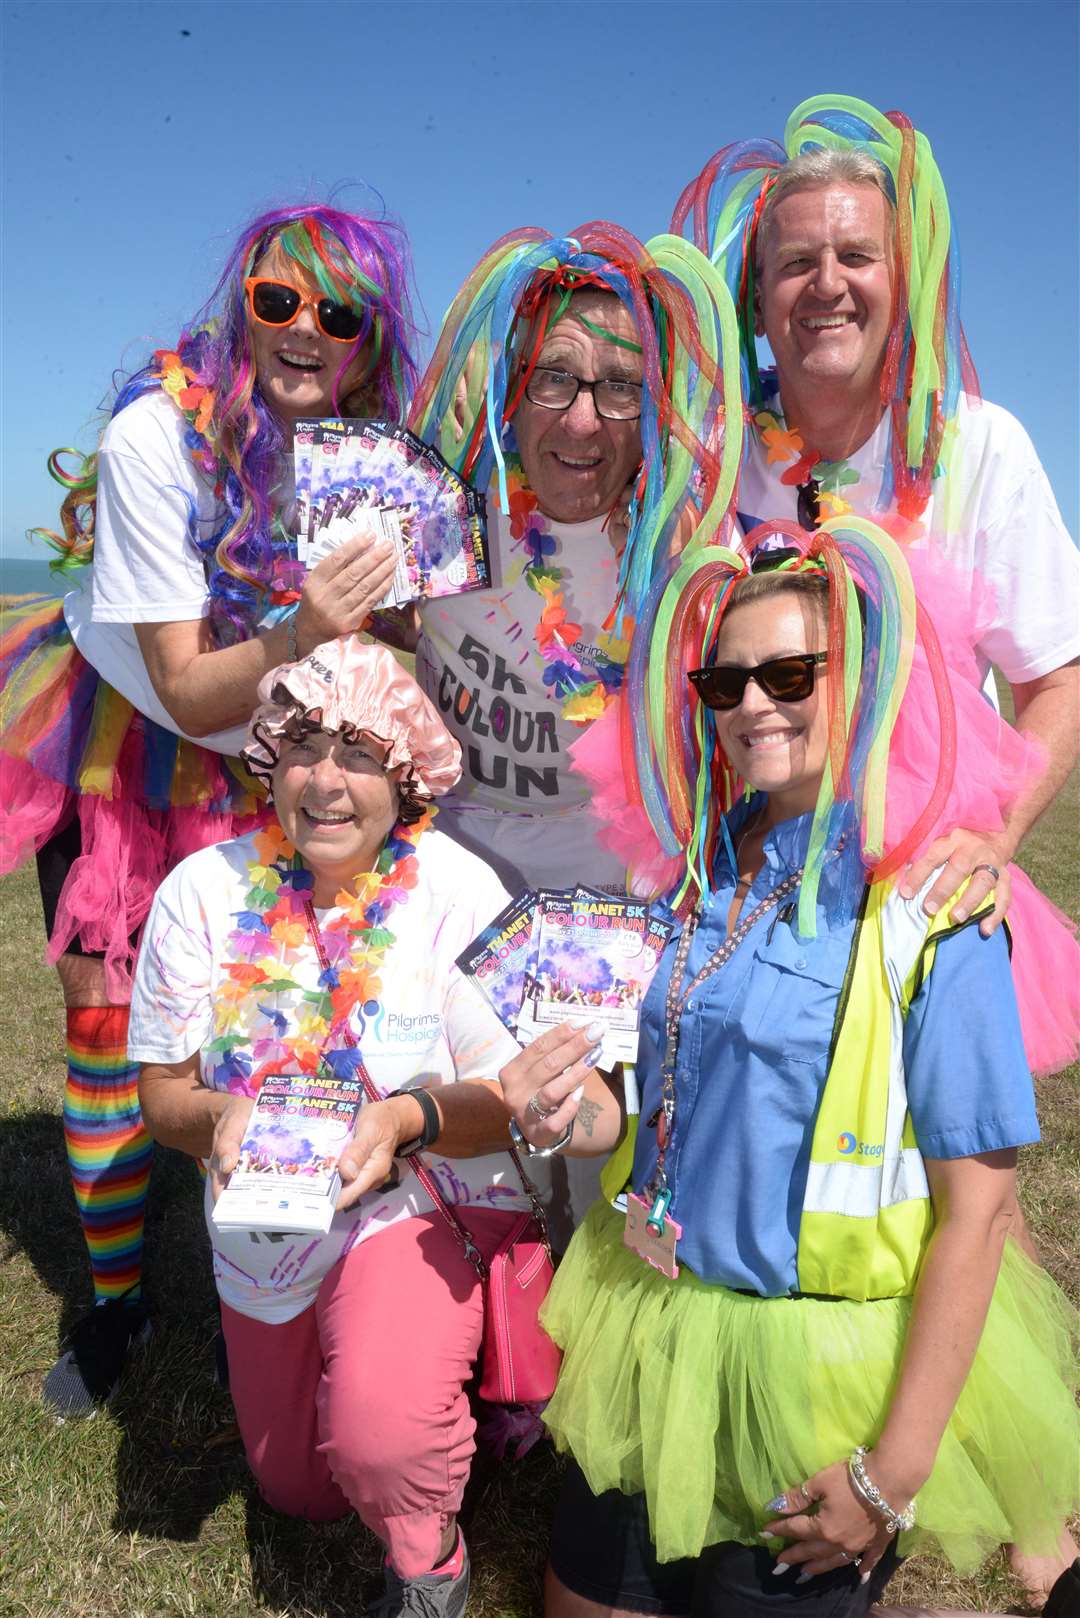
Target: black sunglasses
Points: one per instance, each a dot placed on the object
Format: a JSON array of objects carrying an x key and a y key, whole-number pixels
[
  {"x": 784, "y": 679},
  {"x": 276, "y": 303}
]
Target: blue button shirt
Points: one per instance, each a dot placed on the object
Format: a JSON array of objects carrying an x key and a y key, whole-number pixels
[{"x": 752, "y": 1057}]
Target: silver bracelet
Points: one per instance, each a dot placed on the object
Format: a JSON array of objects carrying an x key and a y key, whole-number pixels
[
  {"x": 530, "y": 1150},
  {"x": 897, "y": 1522},
  {"x": 291, "y": 647}
]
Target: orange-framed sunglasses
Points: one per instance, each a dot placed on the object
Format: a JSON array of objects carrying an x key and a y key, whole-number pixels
[{"x": 276, "y": 303}]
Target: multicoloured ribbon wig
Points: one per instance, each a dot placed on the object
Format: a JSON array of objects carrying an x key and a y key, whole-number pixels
[
  {"x": 233, "y": 435},
  {"x": 927, "y": 364},
  {"x": 673, "y": 763},
  {"x": 691, "y": 422}
]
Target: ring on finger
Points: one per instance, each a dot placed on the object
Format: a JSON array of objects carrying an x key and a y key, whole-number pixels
[
  {"x": 992, "y": 869},
  {"x": 537, "y": 1108}
]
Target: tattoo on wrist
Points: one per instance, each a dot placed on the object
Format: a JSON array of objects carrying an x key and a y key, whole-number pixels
[{"x": 587, "y": 1114}]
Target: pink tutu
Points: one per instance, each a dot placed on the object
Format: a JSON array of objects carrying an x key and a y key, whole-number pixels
[
  {"x": 70, "y": 744},
  {"x": 993, "y": 764}
]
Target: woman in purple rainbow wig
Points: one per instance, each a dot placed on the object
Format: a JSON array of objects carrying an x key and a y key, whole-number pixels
[{"x": 124, "y": 707}]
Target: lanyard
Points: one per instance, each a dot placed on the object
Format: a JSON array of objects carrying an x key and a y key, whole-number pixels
[{"x": 674, "y": 1007}]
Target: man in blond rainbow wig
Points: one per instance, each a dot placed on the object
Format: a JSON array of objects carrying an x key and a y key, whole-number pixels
[{"x": 838, "y": 248}]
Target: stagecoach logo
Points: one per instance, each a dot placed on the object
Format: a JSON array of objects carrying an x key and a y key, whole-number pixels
[{"x": 847, "y": 1144}]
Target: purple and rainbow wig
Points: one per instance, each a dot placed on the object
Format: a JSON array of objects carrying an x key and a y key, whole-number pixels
[{"x": 365, "y": 263}]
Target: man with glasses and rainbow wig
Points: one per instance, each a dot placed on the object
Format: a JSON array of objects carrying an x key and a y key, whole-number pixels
[{"x": 581, "y": 382}]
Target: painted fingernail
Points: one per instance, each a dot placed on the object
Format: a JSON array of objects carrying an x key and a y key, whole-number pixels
[
  {"x": 781, "y": 1567},
  {"x": 776, "y": 1505},
  {"x": 595, "y": 1030},
  {"x": 804, "y": 1578},
  {"x": 577, "y": 1094},
  {"x": 593, "y": 1056},
  {"x": 864, "y": 1578}
]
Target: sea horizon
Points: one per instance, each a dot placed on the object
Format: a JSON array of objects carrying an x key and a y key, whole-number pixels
[{"x": 32, "y": 576}]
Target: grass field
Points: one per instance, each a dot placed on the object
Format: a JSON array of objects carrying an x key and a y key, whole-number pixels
[{"x": 148, "y": 1510}]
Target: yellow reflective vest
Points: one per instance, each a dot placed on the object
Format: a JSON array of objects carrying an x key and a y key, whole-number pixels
[{"x": 866, "y": 1215}]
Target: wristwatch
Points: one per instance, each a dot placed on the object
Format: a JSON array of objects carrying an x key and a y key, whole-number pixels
[
  {"x": 432, "y": 1121},
  {"x": 530, "y": 1150}
]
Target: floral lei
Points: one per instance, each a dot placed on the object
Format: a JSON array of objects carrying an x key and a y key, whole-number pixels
[
  {"x": 265, "y": 1022},
  {"x": 783, "y": 443},
  {"x": 585, "y": 688},
  {"x": 195, "y": 402}
]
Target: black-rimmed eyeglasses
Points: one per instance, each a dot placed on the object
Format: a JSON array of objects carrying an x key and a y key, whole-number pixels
[{"x": 557, "y": 390}]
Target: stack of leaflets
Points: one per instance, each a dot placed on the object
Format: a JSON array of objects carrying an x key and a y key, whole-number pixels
[
  {"x": 412, "y": 497},
  {"x": 286, "y": 1178},
  {"x": 558, "y": 955}
]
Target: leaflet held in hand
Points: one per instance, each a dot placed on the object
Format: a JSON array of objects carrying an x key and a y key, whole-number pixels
[
  {"x": 286, "y": 1178},
  {"x": 353, "y": 475},
  {"x": 569, "y": 955}
]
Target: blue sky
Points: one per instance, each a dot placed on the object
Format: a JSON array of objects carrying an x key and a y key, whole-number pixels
[{"x": 140, "y": 136}]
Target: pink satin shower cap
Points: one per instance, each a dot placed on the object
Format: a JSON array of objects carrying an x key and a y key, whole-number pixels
[{"x": 351, "y": 686}]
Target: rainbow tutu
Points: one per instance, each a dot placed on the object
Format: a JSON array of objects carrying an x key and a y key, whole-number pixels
[
  {"x": 71, "y": 744},
  {"x": 711, "y": 1401}
]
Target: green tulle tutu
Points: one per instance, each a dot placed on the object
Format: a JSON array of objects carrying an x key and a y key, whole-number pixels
[{"x": 711, "y": 1401}]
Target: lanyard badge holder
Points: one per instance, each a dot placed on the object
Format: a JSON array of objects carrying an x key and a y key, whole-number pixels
[{"x": 650, "y": 1231}]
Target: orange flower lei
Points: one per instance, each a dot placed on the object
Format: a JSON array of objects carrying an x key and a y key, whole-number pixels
[{"x": 585, "y": 689}]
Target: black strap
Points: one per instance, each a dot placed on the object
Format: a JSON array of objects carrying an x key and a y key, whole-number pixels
[{"x": 416, "y": 1163}]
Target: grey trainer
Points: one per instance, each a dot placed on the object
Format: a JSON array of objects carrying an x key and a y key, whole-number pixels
[{"x": 432, "y": 1595}]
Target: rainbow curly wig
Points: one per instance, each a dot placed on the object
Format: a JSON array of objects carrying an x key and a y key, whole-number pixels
[{"x": 233, "y": 435}]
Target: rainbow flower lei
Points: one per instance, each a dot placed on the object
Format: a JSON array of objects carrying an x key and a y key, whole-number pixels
[
  {"x": 265, "y": 1022},
  {"x": 584, "y": 688}
]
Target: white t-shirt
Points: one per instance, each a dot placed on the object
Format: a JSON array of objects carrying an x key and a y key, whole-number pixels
[
  {"x": 146, "y": 569},
  {"x": 518, "y": 803},
  {"x": 433, "y": 1024},
  {"x": 994, "y": 515}
]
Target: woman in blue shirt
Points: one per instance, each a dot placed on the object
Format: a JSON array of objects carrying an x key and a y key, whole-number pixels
[{"x": 807, "y": 1331}]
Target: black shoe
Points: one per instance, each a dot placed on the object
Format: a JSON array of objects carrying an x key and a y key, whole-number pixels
[
  {"x": 87, "y": 1373},
  {"x": 1064, "y": 1599}
]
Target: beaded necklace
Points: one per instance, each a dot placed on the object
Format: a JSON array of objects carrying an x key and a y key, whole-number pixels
[
  {"x": 265, "y": 1021},
  {"x": 584, "y": 686}
]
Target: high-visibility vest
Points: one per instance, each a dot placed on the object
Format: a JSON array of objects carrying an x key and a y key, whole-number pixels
[{"x": 866, "y": 1214}]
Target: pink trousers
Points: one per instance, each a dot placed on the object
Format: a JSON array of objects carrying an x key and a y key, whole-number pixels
[{"x": 359, "y": 1402}]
